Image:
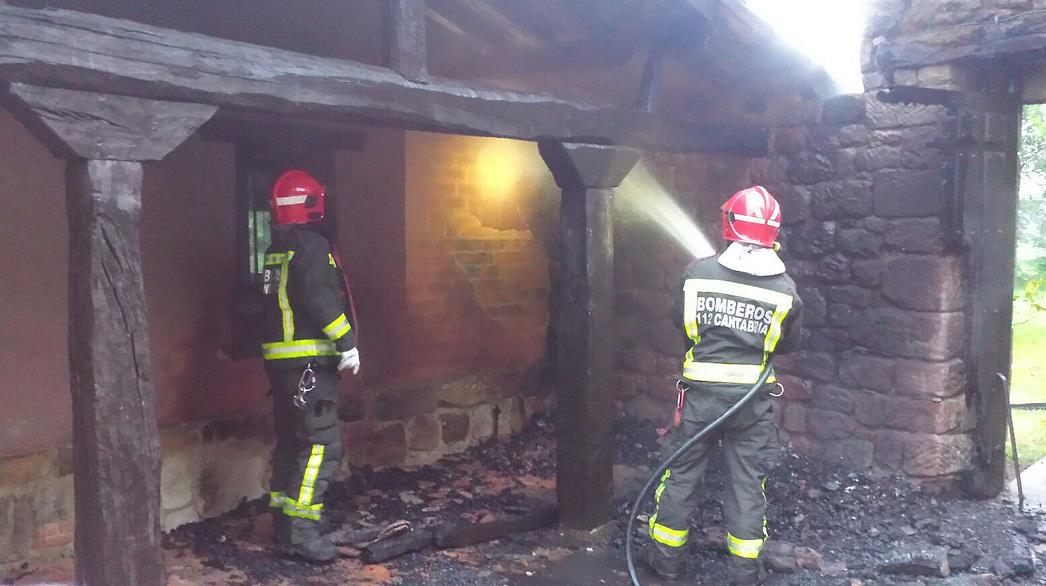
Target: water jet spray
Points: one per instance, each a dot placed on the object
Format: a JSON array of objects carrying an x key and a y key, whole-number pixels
[{"x": 642, "y": 194}]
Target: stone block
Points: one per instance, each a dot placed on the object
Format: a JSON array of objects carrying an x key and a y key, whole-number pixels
[
  {"x": 854, "y": 454},
  {"x": 178, "y": 476},
  {"x": 174, "y": 519},
  {"x": 907, "y": 193},
  {"x": 835, "y": 268},
  {"x": 841, "y": 315},
  {"x": 829, "y": 425},
  {"x": 906, "y": 76},
  {"x": 795, "y": 203},
  {"x": 931, "y": 455},
  {"x": 852, "y": 296},
  {"x": 809, "y": 365},
  {"x": 626, "y": 386},
  {"x": 53, "y": 499},
  {"x": 823, "y": 139},
  {"x": 866, "y": 371},
  {"x": 842, "y": 199},
  {"x": 921, "y": 379},
  {"x": 828, "y": 340},
  {"x": 889, "y": 449},
  {"x": 795, "y": 388},
  {"x": 233, "y": 472},
  {"x": 908, "y": 334},
  {"x": 843, "y": 110},
  {"x": 844, "y": 162},
  {"x": 402, "y": 403},
  {"x": 533, "y": 407},
  {"x": 873, "y": 81},
  {"x": 882, "y": 115},
  {"x": 482, "y": 419},
  {"x": 372, "y": 444},
  {"x": 793, "y": 417},
  {"x": 16, "y": 527},
  {"x": 455, "y": 427},
  {"x": 424, "y": 433},
  {"x": 813, "y": 239},
  {"x": 853, "y": 135},
  {"x": 351, "y": 408},
  {"x": 925, "y": 283},
  {"x": 915, "y": 235},
  {"x": 647, "y": 407},
  {"x": 465, "y": 392},
  {"x": 808, "y": 168},
  {"x": 832, "y": 398},
  {"x": 860, "y": 243},
  {"x": 56, "y": 534},
  {"x": 868, "y": 273},
  {"x": 917, "y": 416},
  {"x": 876, "y": 158}
]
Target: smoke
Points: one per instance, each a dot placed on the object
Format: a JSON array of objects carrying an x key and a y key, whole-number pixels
[{"x": 643, "y": 196}]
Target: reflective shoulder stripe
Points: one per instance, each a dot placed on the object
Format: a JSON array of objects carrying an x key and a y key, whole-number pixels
[
  {"x": 298, "y": 349},
  {"x": 330, "y": 259},
  {"x": 275, "y": 258},
  {"x": 666, "y": 535},
  {"x": 739, "y": 290},
  {"x": 744, "y": 548},
  {"x": 337, "y": 329},
  {"x": 714, "y": 372}
]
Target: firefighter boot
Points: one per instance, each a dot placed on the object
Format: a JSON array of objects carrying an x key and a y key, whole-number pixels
[
  {"x": 746, "y": 572},
  {"x": 306, "y": 542},
  {"x": 664, "y": 566}
]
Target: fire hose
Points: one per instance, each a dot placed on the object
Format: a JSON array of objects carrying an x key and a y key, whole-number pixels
[{"x": 667, "y": 463}]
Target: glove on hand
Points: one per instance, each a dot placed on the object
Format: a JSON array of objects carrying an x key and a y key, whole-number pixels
[{"x": 350, "y": 360}]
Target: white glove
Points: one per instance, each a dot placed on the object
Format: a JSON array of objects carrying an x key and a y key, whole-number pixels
[{"x": 350, "y": 360}]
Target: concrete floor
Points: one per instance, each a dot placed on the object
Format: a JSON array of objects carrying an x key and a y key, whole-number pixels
[{"x": 1033, "y": 480}]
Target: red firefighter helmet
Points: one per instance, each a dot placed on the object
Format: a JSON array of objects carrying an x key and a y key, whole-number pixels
[
  {"x": 752, "y": 215},
  {"x": 297, "y": 198}
]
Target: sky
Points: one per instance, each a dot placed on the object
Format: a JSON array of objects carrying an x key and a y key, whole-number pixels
[{"x": 827, "y": 31}]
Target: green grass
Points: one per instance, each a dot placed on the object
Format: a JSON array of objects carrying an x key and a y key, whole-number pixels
[{"x": 1029, "y": 382}]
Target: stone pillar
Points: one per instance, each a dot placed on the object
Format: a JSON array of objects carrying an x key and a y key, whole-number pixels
[
  {"x": 584, "y": 315},
  {"x": 115, "y": 440}
]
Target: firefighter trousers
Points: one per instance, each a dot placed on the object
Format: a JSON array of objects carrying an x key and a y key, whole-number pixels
[
  {"x": 308, "y": 447},
  {"x": 749, "y": 441}
]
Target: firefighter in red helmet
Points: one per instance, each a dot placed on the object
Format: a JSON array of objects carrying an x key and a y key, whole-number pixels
[
  {"x": 308, "y": 339},
  {"x": 736, "y": 310}
]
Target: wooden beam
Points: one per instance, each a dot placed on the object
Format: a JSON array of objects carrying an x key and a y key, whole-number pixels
[
  {"x": 1020, "y": 34},
  {"x": 406, "y": 50},
  {"x": 583, "y": 316},
  {"x": 94, "y": 53},
  {"x": 116, "y": 445}
]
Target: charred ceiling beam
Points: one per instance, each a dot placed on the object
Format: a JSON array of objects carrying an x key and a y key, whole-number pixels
[
  {"x": 1021, "y": 33},
  {"x": 404, "y": 37},
  {"x": 93, "y": 53}
]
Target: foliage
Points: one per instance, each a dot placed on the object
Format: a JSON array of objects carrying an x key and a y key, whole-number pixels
[{"x": 1031, "y": 209}]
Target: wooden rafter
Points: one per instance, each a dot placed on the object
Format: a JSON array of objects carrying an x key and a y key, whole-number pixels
[{"x": 94, "y": 53}]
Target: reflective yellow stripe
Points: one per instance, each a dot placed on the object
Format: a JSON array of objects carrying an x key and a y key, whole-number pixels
[
  {"x": 337, "y": 328},
  {"x": 298, "y": 349},
  {"x": 745, "y": 548},
  {"x": 293, "y": 509},
  {"x": 739, "y": 290},
  {"x": 667, "y": 535},
  {"x": 285, "y": 302},
  {"x": 312, "y": 469},
  {"x": 690, "y": 311},
  {"x": 661, "y": 487},
  {"x": 275, "y": 258},
  {"x": 713, "y": 372},
  {"x": 330, "y": 259},
  {"x": 277, "y": 500}
]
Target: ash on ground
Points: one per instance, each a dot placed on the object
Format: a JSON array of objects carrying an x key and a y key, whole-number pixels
[{"x": 827, "y": 528}]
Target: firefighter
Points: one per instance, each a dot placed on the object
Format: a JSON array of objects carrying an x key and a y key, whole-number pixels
[
  {"x": 308, "y": 340},
  {"x": 736, "y": 310}
]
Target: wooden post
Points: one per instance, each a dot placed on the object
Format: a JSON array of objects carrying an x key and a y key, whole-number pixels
[
  {"x": 116, "y": 446},
  {"x": 584, "y": 313},
  {"x": 405, "y": 45}
]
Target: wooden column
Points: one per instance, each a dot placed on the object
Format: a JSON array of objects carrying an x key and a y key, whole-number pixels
[
  {"x": 115, "y": 441},
  {"x": 584, "y": 313},
  {"x": 406, "y": 50},
  {"x": 986, "y": 180}
]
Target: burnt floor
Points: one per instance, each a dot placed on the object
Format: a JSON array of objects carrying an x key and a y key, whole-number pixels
[{"x": 828, "y": 528}]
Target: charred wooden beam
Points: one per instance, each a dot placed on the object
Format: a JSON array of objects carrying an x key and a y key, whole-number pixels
[
  {"x": 1020, "y": 34},
  {"x": 463, "y": 534},
  {"x": 381, "y": 551},
  {"x": 94, "y": 53},
  {"x": 116, "y": 445},
  {"x": 406, "y": 49},
  {"x": 583, "y": 317}
]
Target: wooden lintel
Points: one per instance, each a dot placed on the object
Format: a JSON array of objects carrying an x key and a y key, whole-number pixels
[
  {"x": 1023, "y": 33},
  {"x": 405, "y": 39},
  {"x": 263, "y": 131},
  {"x": 88, "y": 52},
  {"x": 84, "y": 125}
]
